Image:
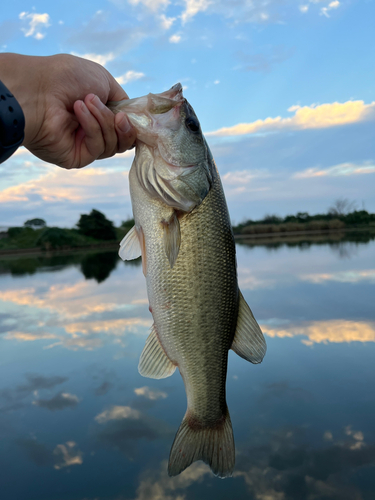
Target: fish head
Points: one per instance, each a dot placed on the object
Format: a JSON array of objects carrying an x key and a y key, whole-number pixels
[{"x": 172, "y": 160}]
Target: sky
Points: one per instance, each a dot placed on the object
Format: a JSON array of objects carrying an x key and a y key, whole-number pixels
[{"x": 284, "y": 91}]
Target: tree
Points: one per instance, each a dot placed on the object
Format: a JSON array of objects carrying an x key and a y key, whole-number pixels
[
  {"x": 97, "y": 226},
  {"x": 342, "y": 206},
  {"x": 35, "y": 223}
]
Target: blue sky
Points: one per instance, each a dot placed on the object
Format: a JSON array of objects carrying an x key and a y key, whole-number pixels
[{"x": 284, "y": 91}]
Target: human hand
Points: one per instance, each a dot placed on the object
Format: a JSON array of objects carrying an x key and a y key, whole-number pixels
[{"x": 62, "y": 99}]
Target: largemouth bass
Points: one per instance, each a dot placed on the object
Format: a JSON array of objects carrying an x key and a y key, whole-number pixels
[{"x": 183, "y": 232}]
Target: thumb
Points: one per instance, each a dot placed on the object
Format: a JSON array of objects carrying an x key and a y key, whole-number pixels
[{"x": 116, "y": 92}]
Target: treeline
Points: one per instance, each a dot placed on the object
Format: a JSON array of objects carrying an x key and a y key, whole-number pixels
[
  {"x": 303, "y": 221},
  {"x": 92, "y": 229},
  {"x": 95, "y": 230}
]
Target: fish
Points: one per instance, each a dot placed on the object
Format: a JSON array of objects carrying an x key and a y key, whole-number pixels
[{"x": 183, "y": 233}]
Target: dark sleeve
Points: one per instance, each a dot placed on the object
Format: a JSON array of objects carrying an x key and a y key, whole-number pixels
[{"x": 12, "y": 123}]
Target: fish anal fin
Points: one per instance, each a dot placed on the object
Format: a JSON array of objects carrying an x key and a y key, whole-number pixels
[
  {"x": 154, "y": 363},
  {"x": 130, "y": 247},
  {"x": 213, "y": 444},
  {"x": 172, "y": 238},
  {"x": 248, "y": 342}
]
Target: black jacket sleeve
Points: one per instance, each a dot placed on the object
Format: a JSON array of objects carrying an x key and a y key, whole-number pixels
[{"x": 12, "y": 123}]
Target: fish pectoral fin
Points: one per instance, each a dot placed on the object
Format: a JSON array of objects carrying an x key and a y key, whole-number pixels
[
  {"x": 154, "y": 363},
  {"x": 130, "y": 247},
  {"x": 172, "y": 238},
  {"x": 248, "y": 342}
]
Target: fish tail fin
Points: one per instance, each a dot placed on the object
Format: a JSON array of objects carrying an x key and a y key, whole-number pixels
[{"x": 213, "y": 444}]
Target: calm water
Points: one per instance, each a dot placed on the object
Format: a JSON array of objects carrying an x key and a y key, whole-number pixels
[{"x": 78, "y": 422}]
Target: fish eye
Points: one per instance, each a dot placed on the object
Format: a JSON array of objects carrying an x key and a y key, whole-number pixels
[{"x": 192, "y": 124}]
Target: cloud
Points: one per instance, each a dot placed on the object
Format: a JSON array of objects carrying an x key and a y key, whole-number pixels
[
  {"x": 281, "y": 467},
  {"x": 67, "y": 185},
  {"x": 159, "y": 486},
  {"x": 93, "y": 37},
  {"x": 350, "y": 276},
  {"x": 67, "y": 455},
  {"x": 166, "y": 22},
  {"x": 343, "y": 169},
  {"x": 175, "y": 38},
  {"x": 102, "y": 59},
  {"x": 152, "y": 394},
  {"x": 123, "y": 426},
  {"x": 36, "y": 22},
  {"x": 318, "y": 332},
  {"x": 116, "y": 327},
  {"x": 306, "y": 117},
  {"x": 37, "y": 382},
  {"x": 193, "y": 7},
  {"x": 332, "y": 5},
  {"x": 60, "y": 401},
  {"x": 130, "y": 76},
  {"x": 64, "y": 455},
  {"x": 29, "y": 337},
  {"x": 118, "y": 413},
  {"x": 151, "y": 5},
  {"x": 303, "y": 8}
]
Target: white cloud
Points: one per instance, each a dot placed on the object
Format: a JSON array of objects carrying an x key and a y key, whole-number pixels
[
  {"x": 166, "y": 22},
  {"x": 130, "y": 76},
  {"x": 67, "y": 455},
  {"x": 193, "y": 7},
  {"x": 306, "y": 117},
  {"x": 175, "y": 38},
  {"x": 36, "y": 22},
  {"x": 148, "y": 393},
  {"x": 343, "y": 169},
  {"x": 323, "y": 332},
  {"x": 152, "y": 5},
  {"x": 73, "y": 185},
  {"x": 118, "y": 413},
  {"x": 303, "y": 8},
  {"x": 102, "y": 59},
  {"x": 353, "y": 276},
  {"x": 333, "y": 5}
]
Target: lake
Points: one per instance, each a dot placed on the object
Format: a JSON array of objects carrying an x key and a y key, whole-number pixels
[{"x": 78, "y": 422}]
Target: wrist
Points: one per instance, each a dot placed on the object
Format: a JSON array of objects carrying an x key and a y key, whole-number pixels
[
  {"x": 21, "y": 75},
  {"x": 12, "y": 123}
]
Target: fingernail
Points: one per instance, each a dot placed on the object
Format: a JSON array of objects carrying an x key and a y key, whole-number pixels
[
  {"x": 97, "y": 102},
  {"x": 124, "y": 124}
]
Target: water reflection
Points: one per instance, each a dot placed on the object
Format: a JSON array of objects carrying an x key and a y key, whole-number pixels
[
  {"x": 96, "y": 265},
  {"x": 77, "y": 421},
  {"x": 344, "y": 244}
]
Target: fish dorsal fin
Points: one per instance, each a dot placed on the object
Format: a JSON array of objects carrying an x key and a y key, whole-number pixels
[
  {"x": 130, "y": 247},
  {"x": 248, "y": 342},
  {"x": 172, "y": 238},
  {"x": 154, "y": 363}
]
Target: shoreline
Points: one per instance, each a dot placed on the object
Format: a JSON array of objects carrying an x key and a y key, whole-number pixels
[
  {"x": 306, "y": 232},
  {"x": 275, "y": 236}
]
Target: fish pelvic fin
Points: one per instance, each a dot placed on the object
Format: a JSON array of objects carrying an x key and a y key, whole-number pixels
[
  {"x": 213, "y": 444},
  {"x": 154, "y": 363},
  {"x": 130, "y": 247},
  {"x": 249, "y": 341}
]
